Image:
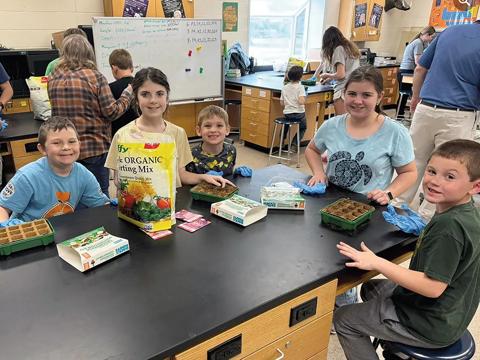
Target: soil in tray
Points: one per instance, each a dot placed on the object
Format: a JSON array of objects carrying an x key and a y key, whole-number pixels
[
  {"x": 212, "y": 190},
  {"x": 348, "y": 209}
]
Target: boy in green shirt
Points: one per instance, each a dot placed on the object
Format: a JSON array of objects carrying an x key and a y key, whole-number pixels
[{"x": 430, "y": 304}]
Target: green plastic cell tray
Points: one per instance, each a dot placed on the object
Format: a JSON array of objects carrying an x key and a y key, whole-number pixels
[
  {"x": 211, "y": 193},
  {"x": 25, "y": 236},
  {"x": 308, "y": 82},
  {"x": 346, "y": 214}
]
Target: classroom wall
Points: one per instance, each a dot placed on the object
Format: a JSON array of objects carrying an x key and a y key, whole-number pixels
[{"x": 26, "y": 24}]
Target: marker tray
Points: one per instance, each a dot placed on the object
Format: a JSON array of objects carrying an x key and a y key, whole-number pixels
[
  {"x": 211, "y": 193},
  {"x": 346, "y": 214},
  {"x": 25, "y": 236}
]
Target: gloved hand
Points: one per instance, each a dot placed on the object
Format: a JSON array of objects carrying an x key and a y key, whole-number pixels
[
  {"x": 11, "y": 222},
  {"x": 4, "y": 124},
  {"x": 216, "y": 173},
  {"x": 317, "y": 189},
  {"x": 244, "y": 171},
  {"x": 410, "y": 224},
  {"x": 313, "y": 78},
  {"x": 114, "y": 202}
]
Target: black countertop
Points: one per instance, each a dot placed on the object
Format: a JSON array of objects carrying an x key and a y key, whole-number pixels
[
  {"x": 20, "y": 126},
  {"x": 167, "y": 295},
  {"x": 271, "y": 80}
]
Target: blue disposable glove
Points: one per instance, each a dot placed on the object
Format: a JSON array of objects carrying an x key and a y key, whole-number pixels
[
  {"x": 11, "y": 222},
  {"x": 215, "y": 173},
  {"x": 4, "y": 124},
  {"x": 114, "y": 202},
  {"x": 410, "y": 224},
  {"x": 244, "y": 171},
  {"x": 317, "y": 189},
  {"x": 313, "y": 78}
]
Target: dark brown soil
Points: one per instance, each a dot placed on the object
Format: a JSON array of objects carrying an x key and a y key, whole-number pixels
[{"x": 212, "y": 190}]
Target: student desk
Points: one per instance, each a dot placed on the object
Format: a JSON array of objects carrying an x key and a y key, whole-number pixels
[
  {"x": 187, "y": 293},
  {"x": 20, "y": 138},
  {"x": 260, "y": 95}
]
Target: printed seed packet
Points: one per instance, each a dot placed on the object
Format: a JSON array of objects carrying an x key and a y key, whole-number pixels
[
  {"x": 155, "y": 235},
  {"x": 194, "y": 225},
  {"x": 187, "y": 216}
]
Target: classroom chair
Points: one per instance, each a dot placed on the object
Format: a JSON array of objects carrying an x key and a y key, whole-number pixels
[
  {"x": 462, "y": 349},
  {"x": 405, "y": 90},
  {"x": 329, "y": 108},
  {"x": 234, "y": 102},
  {"x": 284, "y": 123}
]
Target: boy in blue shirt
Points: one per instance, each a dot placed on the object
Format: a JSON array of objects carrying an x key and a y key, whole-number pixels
[
  {"x": 430, "y": 304},
  {"x": 54, "y": 184}
]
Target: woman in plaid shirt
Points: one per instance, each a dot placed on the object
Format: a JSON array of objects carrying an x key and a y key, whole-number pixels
[{"x": 81, "y": 93}]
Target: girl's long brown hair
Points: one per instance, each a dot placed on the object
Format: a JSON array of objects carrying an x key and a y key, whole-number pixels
[{"x": 332, "y": 38}]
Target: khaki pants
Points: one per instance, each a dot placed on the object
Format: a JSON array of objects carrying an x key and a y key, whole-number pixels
[{"x": 430, "y": 128}]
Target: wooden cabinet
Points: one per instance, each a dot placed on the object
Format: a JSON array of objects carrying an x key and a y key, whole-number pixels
[
  {"x": 264, "y": 335},
  {"x": 361, "y": 20},
  {"x": 154, "y": 9},
  {"x": 390, "y": 85},
  {"x": 24, "y": 151},
  {"x": 17, "y": 106}
]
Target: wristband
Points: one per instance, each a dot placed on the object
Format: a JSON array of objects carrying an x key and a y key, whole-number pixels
[{"x": 390, "y": 196}]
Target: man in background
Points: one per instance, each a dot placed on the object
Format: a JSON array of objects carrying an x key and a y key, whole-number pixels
[{"x": 445, "y": 99}]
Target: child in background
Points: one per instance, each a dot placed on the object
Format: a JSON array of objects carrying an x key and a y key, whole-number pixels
[
  {"x": 213, "y": 154},
  {"x": 151, "y": 90},
  {"x": 343, "y": 56},
  {"x": 54, "y": 184},
  {"x": 122, "y": 70},
  {"x": 293, "y": 100},
  {"x": 53, "y": 64},
  {"x": 430, "y": 304}
]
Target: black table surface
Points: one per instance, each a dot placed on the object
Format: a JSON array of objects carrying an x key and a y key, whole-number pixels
[
  {"x": 271, "y": 80},
  {"x": 20, "y": 126},
  {"x": 167, "y": 295}
]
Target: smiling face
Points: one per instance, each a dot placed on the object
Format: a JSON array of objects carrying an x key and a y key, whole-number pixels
[
  {"x": 446, "y": 183},
  {"x": 62, "y": 149},
  {"x": 152, "y": 99},
  {"x": 361, "y": 97},
  {"x": 213, "y": 130}
]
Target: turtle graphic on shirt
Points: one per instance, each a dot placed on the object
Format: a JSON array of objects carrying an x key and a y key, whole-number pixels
[{"x": 348, "y": 172}]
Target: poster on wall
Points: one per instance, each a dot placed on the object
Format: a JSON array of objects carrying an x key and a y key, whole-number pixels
[
  {"x": 446, "y": 13},
  {"x": 376, "y": 15},
  {"x": 173, "y": 8},
  {"x": 135, "y": 8},
  {"x": 230, "y": 16},
  {"x": 360, "y": 15}
]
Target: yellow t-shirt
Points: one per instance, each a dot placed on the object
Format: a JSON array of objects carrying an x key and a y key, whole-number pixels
[{"x": 131, "y": 133}]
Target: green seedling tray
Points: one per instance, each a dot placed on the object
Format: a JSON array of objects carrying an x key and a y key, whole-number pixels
[
  {"x": 197, "y": 194},
  {"x": 308, "y": 82},
  {"x": 346, "y": 224},
  {"x": 30, "y": 233}
]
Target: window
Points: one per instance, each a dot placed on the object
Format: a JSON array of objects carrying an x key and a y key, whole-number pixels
[{"x": 278, "y": 30}]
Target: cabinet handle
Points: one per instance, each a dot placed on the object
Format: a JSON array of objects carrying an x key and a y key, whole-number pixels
[
  {"x": 253, "y": 135},
  {"x": 252, "y": 123},
  {"x": 282, "y": 355}
]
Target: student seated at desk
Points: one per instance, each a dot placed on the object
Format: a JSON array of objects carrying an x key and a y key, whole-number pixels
[
  {"x": 430, "y": 304},
  {"x": 213, "y": 154},
  {"x": 364, "y": 147},
  {"x": 54, "y": 184},
  {"x": 292, "y": 99},
  {"x": 151, "y": 90}
]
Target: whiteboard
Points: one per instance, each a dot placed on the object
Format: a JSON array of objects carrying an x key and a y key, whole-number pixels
[{"x": 188, "y": 51}]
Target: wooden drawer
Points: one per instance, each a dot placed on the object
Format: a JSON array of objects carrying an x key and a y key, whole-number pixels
[
  {"x": 388, "y": 100},
  {"x": 322, "y": 355},
  {"x": 389, "y": 91},
  {"x": 269, "y": 326},
  {"x": 24, "y": 147},
  {"x": 256, "y": 92},
  {"x": 21, "y": 161},
  {"x": 17, "y": 106},
  {"x": 255, "y": 103},
  {"x": 251, "y": 136},
  {"x": 255, "y": 115},
  {"x": 255, "y": 127},
  {"x": 390, "y": 82},
  {"x": 301, "y": 344}
]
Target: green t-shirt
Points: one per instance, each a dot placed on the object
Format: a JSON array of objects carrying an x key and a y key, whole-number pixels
[
  {"x": 448, "y": 250},
  {"x": 51, "y": 66}
]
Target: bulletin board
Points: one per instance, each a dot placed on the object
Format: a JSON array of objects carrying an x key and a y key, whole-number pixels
[
  {"x": 446, "y": 13},
  {"x": 188, "y": 51}
]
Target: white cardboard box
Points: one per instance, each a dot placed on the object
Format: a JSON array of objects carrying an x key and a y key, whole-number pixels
[{"x": 240, "y": 210}]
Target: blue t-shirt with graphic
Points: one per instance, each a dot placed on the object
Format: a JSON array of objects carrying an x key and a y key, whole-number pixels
[
  {"x": 37, "y": 192},
  {"x": 363, "y": 165}
]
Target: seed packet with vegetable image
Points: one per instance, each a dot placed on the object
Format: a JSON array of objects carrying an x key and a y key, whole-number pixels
[{"x": 146, "y": 175}]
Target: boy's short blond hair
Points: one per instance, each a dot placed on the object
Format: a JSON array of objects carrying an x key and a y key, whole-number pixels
[
  {"x": 467, "y": 152},
  {"x": 121, "y": 58},
  {"x": 211, "y": 111},
  {"x": 55, "y": 123}
]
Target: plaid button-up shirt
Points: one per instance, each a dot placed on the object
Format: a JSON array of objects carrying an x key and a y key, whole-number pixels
[{"x": 85, "y": 98}]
